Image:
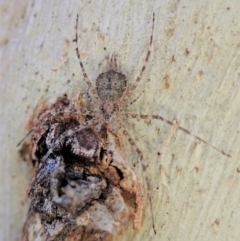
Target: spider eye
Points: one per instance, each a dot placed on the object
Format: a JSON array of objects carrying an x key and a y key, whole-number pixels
[{"x": 116, "y": 83}]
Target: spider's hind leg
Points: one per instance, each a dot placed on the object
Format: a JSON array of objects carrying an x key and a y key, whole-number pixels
[{"x": 144, "y": 172}]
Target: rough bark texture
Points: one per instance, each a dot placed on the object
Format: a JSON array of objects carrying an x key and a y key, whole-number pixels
[
  {"x": 192, "y": 79},
  {"x": 83, "y": 188}
]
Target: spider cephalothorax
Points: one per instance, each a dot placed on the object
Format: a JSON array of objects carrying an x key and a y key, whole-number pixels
[{"x": 111, "y": 86}]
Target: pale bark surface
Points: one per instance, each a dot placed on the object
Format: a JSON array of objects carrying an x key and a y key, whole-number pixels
[{"x": 192, "y": 76}]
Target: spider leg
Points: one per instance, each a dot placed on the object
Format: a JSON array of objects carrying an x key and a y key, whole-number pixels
[
  {"x": 129, "y": 181},
  {"x": 96, "y": 102},
  {"x": 133, "y": 101},
  {"x": 40, "y": 122},
  {"x": 144, "y": 168},
  {"x": 85, "y": 76},
  {"x": 158, "y": 117},
  {"x": 21, "y": 141},
  {"x": 135, "y": 84}
]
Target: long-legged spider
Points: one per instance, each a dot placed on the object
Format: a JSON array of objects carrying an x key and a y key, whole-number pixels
[
  {"x": 109, "y": 103},
  {"x": 111, "y": 92}
]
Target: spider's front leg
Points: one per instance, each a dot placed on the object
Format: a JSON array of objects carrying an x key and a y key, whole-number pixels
[
  {"x": 85, "y": 76},
  {"x": 138, "y": 79}
]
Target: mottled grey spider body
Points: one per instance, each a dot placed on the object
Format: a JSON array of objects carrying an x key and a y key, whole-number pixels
[
  {"x": 111, "y": 91},
  {"x": 111, "y": 87}
]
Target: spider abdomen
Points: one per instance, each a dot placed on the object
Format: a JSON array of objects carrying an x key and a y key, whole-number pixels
[{"x": 111, "y": 85}]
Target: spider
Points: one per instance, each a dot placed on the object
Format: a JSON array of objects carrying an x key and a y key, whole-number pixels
[
  {"x": 111, "y": 92},
  {"x": 109, "y": 98}
]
